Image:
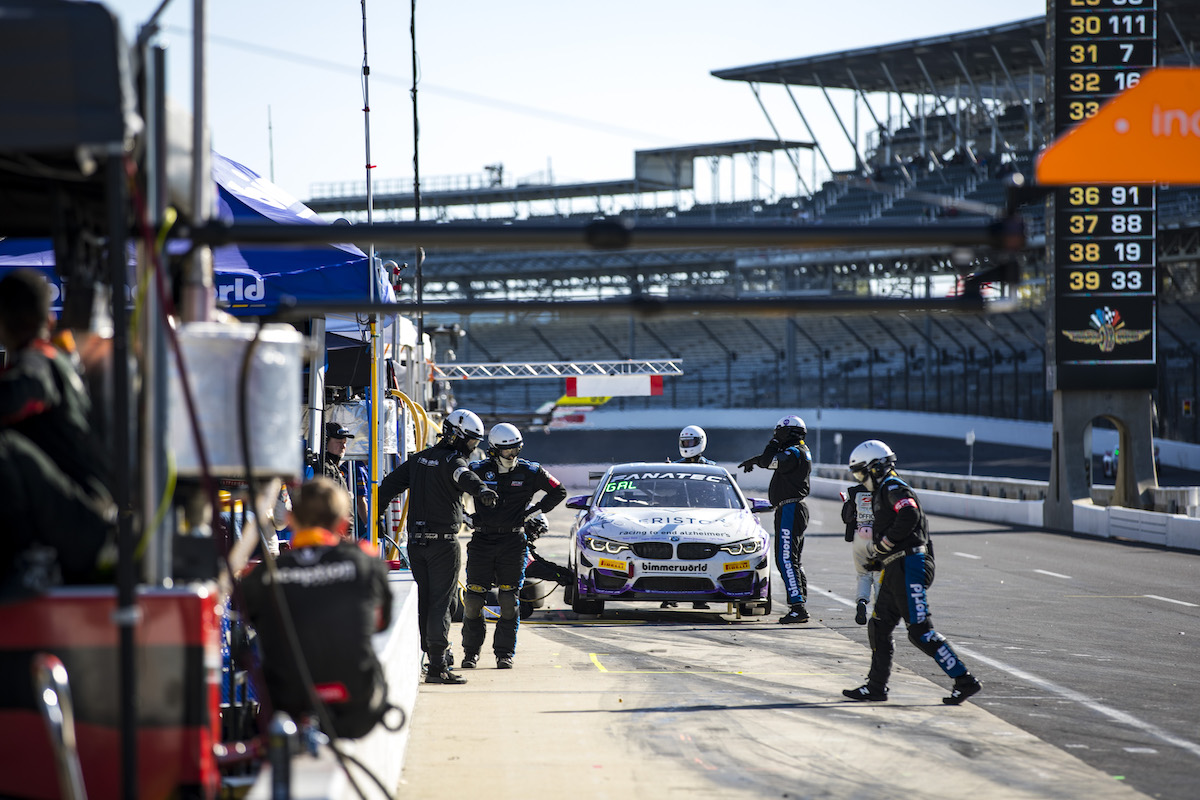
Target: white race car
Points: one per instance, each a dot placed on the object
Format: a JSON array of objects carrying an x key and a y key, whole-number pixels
[{"x": 677, "y": 532}]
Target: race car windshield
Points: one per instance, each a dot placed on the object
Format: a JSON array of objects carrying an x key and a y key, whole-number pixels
[{"x": 671, "y": 490}]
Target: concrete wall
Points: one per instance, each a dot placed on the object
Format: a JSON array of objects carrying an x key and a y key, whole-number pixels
[{"x": 947, "y": 426}]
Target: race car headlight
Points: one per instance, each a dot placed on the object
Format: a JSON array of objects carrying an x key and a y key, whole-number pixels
[
  {"x": 743, "y": 548},
  {"x": 604, "y": 545}
]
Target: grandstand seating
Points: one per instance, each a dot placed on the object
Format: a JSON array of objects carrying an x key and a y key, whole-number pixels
[{"x": 992, "y": 365}]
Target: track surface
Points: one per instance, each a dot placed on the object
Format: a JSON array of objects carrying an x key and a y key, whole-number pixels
[{"x": 1087, "y": 650}]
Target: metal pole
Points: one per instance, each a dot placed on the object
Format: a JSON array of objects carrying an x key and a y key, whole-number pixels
[
  {"x": 811, "y": 135},
  {"x": 376, "y": 391},
  {"x": 419, "y": 254},
  {"x": 795, "y": 161},
  {"x": 904, "y": 350},
  {"x": 199, "y": 302},
  {"x": 859, "y": 164},
  {"x": 127, "y": 613}
]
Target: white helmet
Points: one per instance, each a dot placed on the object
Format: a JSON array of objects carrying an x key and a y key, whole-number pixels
[
  {"x": 870, "y": 461},
  {"x": 790, "y": 429},
  {"x": 463, "y": 429},
  {"x": 504, "y": 438},
  {"x": 692, "y": 441}
]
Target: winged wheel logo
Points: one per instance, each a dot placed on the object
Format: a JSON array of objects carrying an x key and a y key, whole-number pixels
[{"x": 1107, "y": 331}]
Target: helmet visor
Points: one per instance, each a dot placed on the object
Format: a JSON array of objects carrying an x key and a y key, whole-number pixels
[
  {"x": 689, "y": 441},
  {"x": 509, "y": 451}
]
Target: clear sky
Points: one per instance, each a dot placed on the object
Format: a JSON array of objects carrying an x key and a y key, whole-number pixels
[{"x": 541, "y": 86}]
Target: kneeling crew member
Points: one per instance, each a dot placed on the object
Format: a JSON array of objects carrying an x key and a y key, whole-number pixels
[
  {"x": 902, "y": 548},
  {"x": 337, "y": 592},
  {"x": 436, "y": 477},
  {"x": 497, "y": 553}
]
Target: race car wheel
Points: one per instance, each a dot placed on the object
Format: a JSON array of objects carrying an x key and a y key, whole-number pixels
[
  {"x": 569, "y": 592},
  {"x": 595, "y": 607}
]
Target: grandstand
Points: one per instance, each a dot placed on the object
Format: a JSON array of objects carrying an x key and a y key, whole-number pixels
[{"x": 971, "y": 113}]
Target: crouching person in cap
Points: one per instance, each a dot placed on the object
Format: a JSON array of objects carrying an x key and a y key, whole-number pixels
[
  {"x": 337, "y": 595},
  {"x": 435, "y": 478}
]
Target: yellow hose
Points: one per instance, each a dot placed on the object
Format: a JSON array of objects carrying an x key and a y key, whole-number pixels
[{"x": 422, "y": 425}]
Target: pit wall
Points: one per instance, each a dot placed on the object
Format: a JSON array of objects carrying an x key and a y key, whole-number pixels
[{"x": 944, "y": 426}]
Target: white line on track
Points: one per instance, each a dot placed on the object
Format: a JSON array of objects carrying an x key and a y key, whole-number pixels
[
  {"x": 834, "y": 596},
  {"x": 1078, "y": 697},
  {"x": 1169, "y": 600},
  {"x": 1053, "y": 574},
  {"x": 967, "y": 555}
]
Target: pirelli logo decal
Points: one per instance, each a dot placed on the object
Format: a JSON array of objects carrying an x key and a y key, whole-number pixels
[
  {"x": 613, "y": 565},
  {"x": 737, "y": 566}
]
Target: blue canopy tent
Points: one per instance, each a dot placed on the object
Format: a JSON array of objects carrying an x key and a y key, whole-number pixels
[{"x": 250, "y": 281}]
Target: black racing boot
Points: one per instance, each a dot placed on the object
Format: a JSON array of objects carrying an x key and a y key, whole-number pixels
[
  {"x": 797, "y": 613},
  {"x": 444, "y": 675},
  {"x": 860, "y": 613},
  {"x": 700, "y": 604},
  {"x": 964, "y": 686},
  {"x": 449, "y": 657},
  {"x": 470, "y": 660},
  {"x": 504, "y": 662},
  {"x": 668, "y": 604},
  {"x": 865, "y": 692}
]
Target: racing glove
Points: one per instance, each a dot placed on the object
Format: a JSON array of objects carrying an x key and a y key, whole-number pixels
[
  {"x": 534, "y": 528},
  {"x": 488, "y": 497},
  {"x": 880, "y": 549},
  {"x": 749, "y": 464}
]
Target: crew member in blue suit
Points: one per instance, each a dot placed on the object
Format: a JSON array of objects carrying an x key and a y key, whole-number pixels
[
  {"x": 789, "y": 457},
  {"x": 901, "y": 547},
  {"x": 497, "y": 552}
]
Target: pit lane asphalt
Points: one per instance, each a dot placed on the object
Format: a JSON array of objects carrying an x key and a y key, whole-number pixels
[{"x": 683, "y": 703}]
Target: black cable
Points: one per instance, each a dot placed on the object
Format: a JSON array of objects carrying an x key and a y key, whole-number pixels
[{"x": 370, "y": 774}]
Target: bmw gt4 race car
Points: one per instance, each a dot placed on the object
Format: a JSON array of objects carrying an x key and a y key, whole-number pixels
[{"x": 678, "y": 532}]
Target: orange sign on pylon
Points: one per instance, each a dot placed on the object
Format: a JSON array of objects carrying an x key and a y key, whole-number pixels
[{"x": 1150, "y": 133}]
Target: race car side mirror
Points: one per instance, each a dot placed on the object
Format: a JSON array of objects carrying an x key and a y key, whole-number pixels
[
  {"x": 758, "y": 505},
  {"x": 579, "y": 501}
]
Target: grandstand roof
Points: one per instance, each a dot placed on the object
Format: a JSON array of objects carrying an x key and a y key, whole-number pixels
[
  {"x": 1020, "y": 44},
  {"x": 727, "y": 148}
]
